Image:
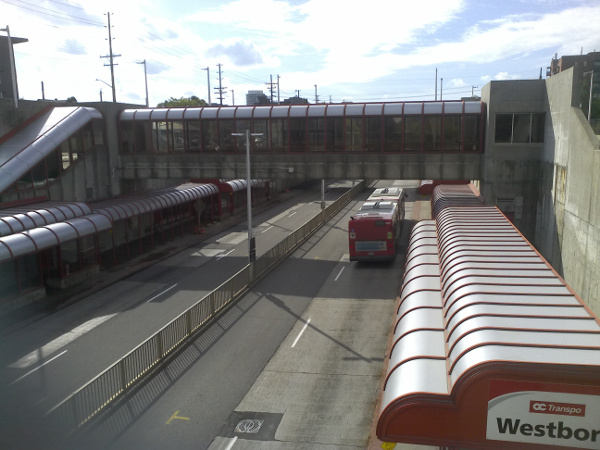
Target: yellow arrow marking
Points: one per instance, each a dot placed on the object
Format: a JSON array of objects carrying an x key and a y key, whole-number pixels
[
  {"x": 175, "y": 416},
  {"x": 388, "y": 445}
]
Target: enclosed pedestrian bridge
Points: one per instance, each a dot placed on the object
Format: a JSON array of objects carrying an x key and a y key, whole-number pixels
[{"x": 416, "y": 140}]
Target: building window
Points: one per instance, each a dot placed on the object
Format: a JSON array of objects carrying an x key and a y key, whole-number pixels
[{"x": 519, "y": 128}]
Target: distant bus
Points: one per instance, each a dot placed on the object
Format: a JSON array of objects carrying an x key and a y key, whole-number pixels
[
  {"x": 374, "y": 230},
  {"x": 395, "y": 194}
]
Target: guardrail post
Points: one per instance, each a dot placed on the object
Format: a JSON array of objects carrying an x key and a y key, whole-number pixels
[
  {"x": 159, "y": 345},
  {"x": 123, "y": 374}
]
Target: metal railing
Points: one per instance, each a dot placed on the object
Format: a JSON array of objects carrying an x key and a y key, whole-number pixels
[{"x": 84, "y": 404}]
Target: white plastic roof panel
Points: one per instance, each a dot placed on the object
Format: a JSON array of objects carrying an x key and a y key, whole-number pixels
[
  {"x": 144, "y": 114},
  {"x": 453, "y": 107},
  {"x": 335, "y": 110},
  {"x": 227, "y": 112},
  {"x": 209, "y": 113},
  {"x": 127, "y": 114},
  {"x": 413, "y": 109},
  {"x": 355, "y": 110},
  {"x": 425, "y": 299},
  {"x": 159, "y": 114},
  {"x": 44, "y": 237},
  {"x": 423, "y": 376},
  {"x": 472, "y": 107},
  {"x": 317, "y": 110},
  {"x": 516, "y": 336},
  {"x": 298, "y": 111},
  {"x": 501, "y": 354},
  {"x": 262, "y": 112},
  {"x": 420, "y": 318},
  {"x": 432, "y": 108},
  {"x": 280, "y": 111},
  {"x": 175, "y": 113},
  {"x": 17, "y": 245},
  {"x": 192, "y": 113},
  {"x": 244, "y": 112},
  {"x": 374, "y": 109},
  {"x": 393, "y": 109},
  {"x": 499, "y": 299}
]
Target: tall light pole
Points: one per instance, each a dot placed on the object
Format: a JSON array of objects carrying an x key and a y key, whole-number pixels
[
  {"x": 251, "y": 242},
  {"x": 112, "y": 65},
  {"x": 208, "y": 82},
  {"x": 146, "y": 80}
]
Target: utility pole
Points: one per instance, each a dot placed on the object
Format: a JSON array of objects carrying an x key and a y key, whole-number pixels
[
  {"x": 473, "y": 90},
  {"x": 316, "y": 96},
  {"x": 278, "y": 89},
  {"x": 232, "y": 98},
  {"x": 111, "y": 63},
  {"x": 146, "y": 81},
  {"x": 208, "y": 82},
  {"x": 220, "y": 88},
  {"x": 271, "y": 87},
  {"x": 441, "y": 89}
]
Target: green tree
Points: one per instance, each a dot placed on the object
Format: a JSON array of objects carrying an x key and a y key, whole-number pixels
[{"x": 182, "y": 102}]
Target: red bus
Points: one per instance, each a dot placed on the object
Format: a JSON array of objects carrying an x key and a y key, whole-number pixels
[{"x": 374, "y": 230}]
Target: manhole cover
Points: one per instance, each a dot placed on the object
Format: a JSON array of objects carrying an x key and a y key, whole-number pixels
[{"x": 248, "y": 426}]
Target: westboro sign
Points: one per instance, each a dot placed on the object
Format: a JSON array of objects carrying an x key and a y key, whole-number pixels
[{"x": 543, "y": 413}]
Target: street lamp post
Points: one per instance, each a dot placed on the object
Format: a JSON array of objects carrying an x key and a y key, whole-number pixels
[
  {"x": 251, "y": 242},
  {"x": 102, "y": 81},
  {"x": 146, "y": 80}
]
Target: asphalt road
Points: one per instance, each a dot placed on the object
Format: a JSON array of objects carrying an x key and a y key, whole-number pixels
[
  {"x": 44, "y": 362},
  {"x": 302, "y": 354}
]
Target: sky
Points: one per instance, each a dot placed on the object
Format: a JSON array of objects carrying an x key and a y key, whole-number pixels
[{"x": 321, "y": 50}]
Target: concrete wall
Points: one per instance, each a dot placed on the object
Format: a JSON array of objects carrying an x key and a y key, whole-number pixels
[
  {"x": 568, "y": 226},
  {"x": 511, "y": 172}
]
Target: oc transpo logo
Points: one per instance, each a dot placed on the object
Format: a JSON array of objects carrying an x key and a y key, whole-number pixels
[{"x": 562, "y": 409}]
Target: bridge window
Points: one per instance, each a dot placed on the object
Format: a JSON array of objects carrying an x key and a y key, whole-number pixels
[
  {"x": 160, "y": 136},
  {"x": 354, "y": 134},
  {"x": 393, "y": 134},
  {"x": 432, "y": 133},
  {"x": 127, "y": 136},
  {"x": 452, "y": 134},
  {"x": 316, "y": 134},
  {"x": 297, "y": 134},
  {"x": 372, "y": 134},
  {"x": 175, "y": 129},
  {"x": 227, "y": 141},
  {"x": 335, "y": 134},
  {"x": 143, "y": 137},
  {"x": 471, "y": 128},
  {"x": 521, "y": 128},
  {"x": 210, "y": 136},
  {"x": 193, "y": 135},
  {"x": 413, "y": 128},
  {"x": 279, "y": 135},
  {"x": 261, "y": 143}
]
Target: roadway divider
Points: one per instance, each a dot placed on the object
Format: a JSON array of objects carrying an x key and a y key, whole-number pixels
[{"x": 113, "y": 383}]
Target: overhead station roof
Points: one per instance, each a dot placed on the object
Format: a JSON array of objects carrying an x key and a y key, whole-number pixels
[
  {"x": 126, "y": 207},
  {"x": 485, "y": 332},
  {"x": 21, "y": 218},
  {"x": 317, "y": 110},
  {"x": 50, "y": 224},
  {"x": 21, "y": 152},
  {"x": 42, "y": 238}
]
